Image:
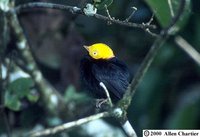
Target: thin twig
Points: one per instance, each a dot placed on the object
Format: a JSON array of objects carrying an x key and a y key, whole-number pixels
[
  {"x": 108, "y": 13},
  {"x": 132, "y": 13},
  {"x": 151, "y": 19},
  {"x": 149, "y": 23},
  {"x": 185, "y": 46},
  {"x": 68, "y": 125},
  {"x": 152, "y": 34},
  {"x": 128, "y": 24},
  {"x": 77, "y": 10},
  {"x": 107, "y": 93}
]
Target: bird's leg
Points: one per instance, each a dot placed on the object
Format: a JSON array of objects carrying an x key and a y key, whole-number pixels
[
  {"x": 101, "y": 101},
  {"x": 107, "y": 93}
]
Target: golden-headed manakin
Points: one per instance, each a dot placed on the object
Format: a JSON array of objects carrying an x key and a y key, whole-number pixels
[{"x": 101, "y": 65}]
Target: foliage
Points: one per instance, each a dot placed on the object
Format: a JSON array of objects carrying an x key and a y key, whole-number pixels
[{"x": 18, "y": 89}]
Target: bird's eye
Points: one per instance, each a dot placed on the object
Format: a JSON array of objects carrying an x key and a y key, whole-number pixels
[{"x": 94, "y": 53}]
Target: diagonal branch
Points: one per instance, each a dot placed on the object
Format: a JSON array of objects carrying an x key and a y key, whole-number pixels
[
  {"x": 185, "y": 46},
  {"x": 48, "y": 94},
  {"x": 165, "y": 33},
  {"x": 68, "y": 125},
  {"x": 125, "y": 102},
  {"x": 174, "y": 20}
]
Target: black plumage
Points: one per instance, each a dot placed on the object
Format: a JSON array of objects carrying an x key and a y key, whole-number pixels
[{"x": 112, "y": 72}]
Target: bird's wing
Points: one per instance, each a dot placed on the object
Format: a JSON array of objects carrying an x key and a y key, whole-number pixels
[{"x": 114, "y": 78}]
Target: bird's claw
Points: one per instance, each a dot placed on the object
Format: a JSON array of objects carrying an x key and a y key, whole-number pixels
[{"x": 100, "y": 102}]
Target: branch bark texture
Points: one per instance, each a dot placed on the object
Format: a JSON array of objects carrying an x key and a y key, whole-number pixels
[{"x": 51, "y": 98}]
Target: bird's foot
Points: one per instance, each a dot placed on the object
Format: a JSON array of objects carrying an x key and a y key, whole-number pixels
[{"x": 100, "y": 102}]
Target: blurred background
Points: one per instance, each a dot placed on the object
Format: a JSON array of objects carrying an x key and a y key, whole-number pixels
[{"x": 167, "y": 98}]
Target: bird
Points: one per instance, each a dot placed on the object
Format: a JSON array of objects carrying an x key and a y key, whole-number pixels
[{"x": 101, "y": 65}]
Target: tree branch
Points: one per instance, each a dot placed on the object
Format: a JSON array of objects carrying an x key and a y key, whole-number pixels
[
  {"x": 51, "y": 98},
  {"x": 108, "y": 13},
  {"x": 77, "y": 10},
  {"x": 125, "y": 102},
  {"x": 30, "y": 5},
  {"x": 131, "y": 15},
  {"x": 185, "y": 46},
  {"x": 129, "y": 129},
  {"x": 69, "y": 125},
  {"x": 174, "y": 20}
]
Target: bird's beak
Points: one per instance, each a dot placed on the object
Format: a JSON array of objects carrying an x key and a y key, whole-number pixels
[{"x": 86, "y": 47}]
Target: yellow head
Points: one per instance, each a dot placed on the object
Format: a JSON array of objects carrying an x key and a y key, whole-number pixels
[{"x": 100, "y": 51}]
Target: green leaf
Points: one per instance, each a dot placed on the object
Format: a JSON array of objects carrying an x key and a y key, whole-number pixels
[
  {"x": 100, "y": 4},
  {"x": 16, "y": 90},
  {"x": 20, "y": 87},
  {"x": 161, "y": 9},
  {"x": 12, "y": 101}
]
